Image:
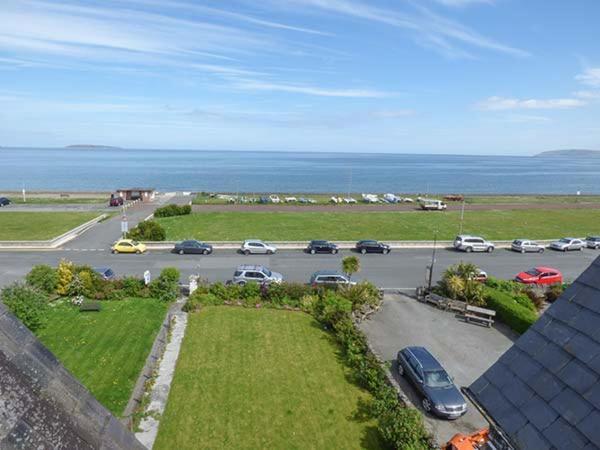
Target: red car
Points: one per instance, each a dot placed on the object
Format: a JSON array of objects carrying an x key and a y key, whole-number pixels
[{"x": 540, "y": 275}]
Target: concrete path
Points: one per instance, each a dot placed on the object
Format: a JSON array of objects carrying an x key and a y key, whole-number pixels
[{"x": 160, "y": 391}]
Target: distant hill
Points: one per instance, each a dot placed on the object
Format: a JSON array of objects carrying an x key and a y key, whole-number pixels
[
  {"x": 575, "y": 153},
  {"x": 92, "y": 147}
]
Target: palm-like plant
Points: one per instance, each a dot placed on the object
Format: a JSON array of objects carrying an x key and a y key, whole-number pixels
[
  {"x": 455, "y": 286},
  {"x": 350, "y": 265}
]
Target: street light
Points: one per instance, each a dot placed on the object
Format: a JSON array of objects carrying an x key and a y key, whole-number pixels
[{"x": 432, "y": 262}]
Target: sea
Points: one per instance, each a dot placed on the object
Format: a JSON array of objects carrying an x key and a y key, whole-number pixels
[{"x": 106, "y": 169}]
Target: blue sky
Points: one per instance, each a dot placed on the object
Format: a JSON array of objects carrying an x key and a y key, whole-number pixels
[{"x": 405, "y": 76}]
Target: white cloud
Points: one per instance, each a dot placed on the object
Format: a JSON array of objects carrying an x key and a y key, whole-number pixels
[
  {"x": 590, "y": 76},
  {"x": 496, "y": 103},
  {"x": 587, "y": 95},
  {"x": 463, "y": 3},
  {"x": 254, "y": 85}
]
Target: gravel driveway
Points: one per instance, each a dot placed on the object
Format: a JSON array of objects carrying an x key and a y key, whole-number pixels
[{"x": 466, "y": 350}]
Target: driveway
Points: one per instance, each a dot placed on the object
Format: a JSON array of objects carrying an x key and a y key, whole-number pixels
[{"x": 465, "y": 350}]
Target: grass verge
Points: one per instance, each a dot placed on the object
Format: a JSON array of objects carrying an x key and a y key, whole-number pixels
[
  {"x": 59, "y": 200},
  {"x": 105, "y": 350},
  {"x": 282, "y": 226},
  {"x": 262, "y": 378},
  {"x": 32, "y": 226}
]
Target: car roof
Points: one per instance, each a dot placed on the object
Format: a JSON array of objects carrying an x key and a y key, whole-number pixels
[
  {"x": 546, "y": 269},
  {"x": 319, "y": 241},
  {"x": 250, "y": 267},
  {"x": 253, "y": 240},
  {"x": 367, "y": 240},
  {"x": 327, "y": 272},
  {"x": 426, "y": 359}
]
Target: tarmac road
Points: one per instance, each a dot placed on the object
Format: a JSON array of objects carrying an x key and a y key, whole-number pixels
[{"x": 401, "y": 269}]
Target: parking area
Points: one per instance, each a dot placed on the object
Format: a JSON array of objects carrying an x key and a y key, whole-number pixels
[{"x": 466, "y": 350}]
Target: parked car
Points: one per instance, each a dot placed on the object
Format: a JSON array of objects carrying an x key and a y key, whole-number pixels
[
  {"x": 128, "y": 246},
  {"x": 370, "y": 246},
  {"x": 255, "y": 246},
  {"x": 248, "y": 273},
  {"x": 115, "y": 200},
  {"x": 370, "y": 198},
  {"x": 349, "y": 200},
  {"x": 593, "y": 242},
  {"x": 440, "y": 395},
  {"x": 391, "y": 198},
  {"x": 540, "y": 275},
  {"x": 193, "y": 247},
  {"x": 4, "y": 202},
  {"x": 568, "y": 244},
  {"x": 274, "y": 198},
  {"x": 321, "y": 247},
  {"x": 430, "y": 204},
  {"x": 264, "y": 200},
  {"x": 290, "y": 199},
  {"x": 329, "y": 278},
  {"x": 526, "y": 246},
  {"x": 470, "y": 244},
  {"x": 480, "y": 276},
  {"x": 106, "y": 273}
]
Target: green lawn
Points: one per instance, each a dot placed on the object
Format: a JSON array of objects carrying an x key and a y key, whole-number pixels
[
  {"x": 418, "y": 225},
  {"x": 58, "y": 200},
  {"x": 33, "y": 226},
  {"x": 105, "y": 350},
  {"x": 261, "y": 378}
]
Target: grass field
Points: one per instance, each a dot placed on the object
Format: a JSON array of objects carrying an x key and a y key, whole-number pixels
[
  {"x": 300, "y": 226},
  {"x": 105, "y": 350},
  {"x": 25, "y": 226},
  {"x": 249, "y": 378},
  {"x": 59, "y": 200},
  {"x": 323, "y": 199}
]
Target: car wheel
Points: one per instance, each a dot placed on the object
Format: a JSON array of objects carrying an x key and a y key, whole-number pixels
[
  {"x": 137, "y": 252},
  {"x": 363, "y": 251},
  {"x": 269, "y": 252},
  {"x": 490, "y": 249},
  {"x": 205, "y": 252},
  {"x": 246, "y": 252},
  {"x": 580, "y": 249},
  {"x": 333, "y": 252},
  {"x": 386, "y": 251},
  {"x": 426, "y": 404},
  {"x": 242, "y": 283},
  {"x": 400, "y": 370},
  {"x": 312, "y": 251},
  {"x": 469, "y": 249},
  {"x": 596, "y": 247},
  {"x": 114, "y": 252},
  {"x": 522, "y": 250},
  {"x": 181, "y": 252},
  {"x": 541, "y": 250}
]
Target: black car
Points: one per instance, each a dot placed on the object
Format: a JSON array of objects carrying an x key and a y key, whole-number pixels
[
  {"x": 4, "y": 201},
  {"x": 440, "y": 395},
  {"x": 194, "y": 247},
  {"x": 321, "y": 247},
  {"x": 370, "y": 246}
]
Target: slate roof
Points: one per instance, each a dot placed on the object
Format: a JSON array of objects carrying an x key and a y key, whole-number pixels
[
  {"x": 544, "y": 392},
  {"x": 43, "y": 406}
]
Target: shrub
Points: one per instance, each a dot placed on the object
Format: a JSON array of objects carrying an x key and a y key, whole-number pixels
[
  {"x": 166, "y": 286},
  {"x": 509, "y": 310},
  {"x": 134, "y": 287},
  {"x": 87, "y": 282},
  {"x": 65, "y": 276},
  {"x": 171, "y": 274},
  {"x": 195, "y": 301},
  {"x": 331, "y": 307},
  {"x": 536, "y": 299},
  {"x": 403, "y": 428},
  {"x": 30, "y": 305},
  {"x": 44, "y": 278},
  {"x": 148, "y": 230},
  {"x": 554, "y": 292},
  {"x": 172, "y": 210},
  {"x": 361, "y": 294}
]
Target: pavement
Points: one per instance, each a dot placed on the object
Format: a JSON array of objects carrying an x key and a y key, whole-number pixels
[{"x": 466, "y": 351}]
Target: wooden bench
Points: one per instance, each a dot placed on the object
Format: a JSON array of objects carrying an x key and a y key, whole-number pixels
[
  {"x": 90, "y": 306},
  {"x": 437, "y": 300},
  {"x": 481, "y": 315}
]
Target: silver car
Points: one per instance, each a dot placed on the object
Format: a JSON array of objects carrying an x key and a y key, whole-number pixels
[
  {"x": 593, "y": 242},
  {"x": 257, "y": 247},
  {"x": 248, "y": 273},
  {"x": 526, "y": 246},
  {"x": 568, "y": 244},
  {"x": 473, "y": 244}
]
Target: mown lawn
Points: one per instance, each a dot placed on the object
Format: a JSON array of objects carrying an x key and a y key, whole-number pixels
[
  {"x": 105, "y": 350},
  {"x": 249, "y": 379},
  {"x": 25, "y": 226},
  {"x": 418, "y": 225}
]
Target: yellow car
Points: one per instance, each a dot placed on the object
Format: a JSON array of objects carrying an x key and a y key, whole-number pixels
[{"x": 128, "y": 246}]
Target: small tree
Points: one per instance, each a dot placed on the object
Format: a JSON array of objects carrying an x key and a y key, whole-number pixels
[
  {"x": 148, "y": 230},
  {"x": 65, "y": 276},
  {"x": 43, "y": 277},
  {"x": 30, "y": 305},
  {"x": 351, "y": 265}
]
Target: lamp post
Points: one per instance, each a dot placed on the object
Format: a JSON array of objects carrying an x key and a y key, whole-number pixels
[
  {"x": 430, "y": 278},
  {"x": 462, "y": 216}
]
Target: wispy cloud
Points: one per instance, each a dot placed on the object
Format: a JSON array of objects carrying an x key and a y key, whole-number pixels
[
  {"x": 437, "y": 31},
  {"x": 463, "y": 3},
  {"x": 590, "y": 77},
  {"x": 587, "y": 95},
  {"x": 254, "y": 85},
  {"x": 502, "y": 103}
]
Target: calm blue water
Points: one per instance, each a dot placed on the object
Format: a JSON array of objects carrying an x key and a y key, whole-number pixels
[{"x": 107, "y": 169}]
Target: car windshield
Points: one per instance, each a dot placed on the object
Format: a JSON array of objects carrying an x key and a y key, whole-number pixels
[
  {"x": 109, "y": 273},
  {"x": 437, "y": 379},
  {"x": 267, "y": 272},
  {"x": 565, "y": 241},
  {"x": 533, "y": 272},
  {"x": 135, "y": 243}
]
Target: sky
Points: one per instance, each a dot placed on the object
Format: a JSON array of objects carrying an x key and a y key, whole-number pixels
[{"x": 511, "y": 77}]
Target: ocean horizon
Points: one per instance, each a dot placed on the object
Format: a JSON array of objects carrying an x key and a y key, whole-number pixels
[{"x": 107, "y": 168}]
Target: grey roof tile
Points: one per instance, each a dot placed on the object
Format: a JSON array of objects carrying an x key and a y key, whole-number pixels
[
  {"x": 511, "y": 420},
  {"x": 546, "y": 385},
  {"x": 586, "y": 322},
  {"x": 541, "y": 323},
  {"x": 553, "y": 358},
  {"x": 479, "y": 384},
  {"x": 558, "y": 332},
  {"x": 588, "y": 298},
  {"x": 525, "y": 367},
  {"x": 499, "y": 375},
  {"x": 590, "y": 427},
  {"x": 539, "y": 413},
  {"x": 591, "y": 446},
  {"x": 532, "y": 342},
  {"x": 594, "y": 364},
  {"x": 593, "y": 396},
  {"x": 564, "y": 311},
  {"x": 571, "y": 406},
  {"x": 590, "y": 278},
  {"x": 509, "y": 355},
  {"x": 578, "y": 377},
  {"x": 564, "y": 437},
  {"x": 529, "y": 438},
  {"x": 583, "y": 348},
  {"x": 517, "y": 392}
]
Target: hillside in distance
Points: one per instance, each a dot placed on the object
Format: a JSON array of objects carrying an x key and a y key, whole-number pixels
[{"x": 574, "y": 153}]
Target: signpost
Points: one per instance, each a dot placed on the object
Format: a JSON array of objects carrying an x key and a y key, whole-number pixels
[
  {"x": 147, "y": 277},
  {"x": 124, "y": 225}
]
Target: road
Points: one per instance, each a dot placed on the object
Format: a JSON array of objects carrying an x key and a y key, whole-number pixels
[{"x": 401, "y": 269}]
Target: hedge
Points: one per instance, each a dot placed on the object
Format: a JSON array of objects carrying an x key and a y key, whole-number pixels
[
  {"x": 509, "y": 310},
  {"x": 173, "y": 210}
]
